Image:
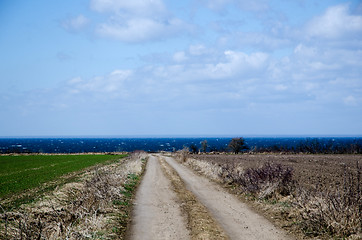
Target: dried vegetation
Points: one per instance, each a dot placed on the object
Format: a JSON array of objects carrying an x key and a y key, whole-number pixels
[
  {"x": 335, "y": 211},
  {"x": 200, "y": 223},
  {"x": 314, "y": 196},
  {"x": 97, "y": 207}
]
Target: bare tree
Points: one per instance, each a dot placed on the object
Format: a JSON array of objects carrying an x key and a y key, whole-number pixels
[
  {"x": 204, "y": 146},
  {"x": 237, "y": 145},
  {"x": 193, "y": 148}
]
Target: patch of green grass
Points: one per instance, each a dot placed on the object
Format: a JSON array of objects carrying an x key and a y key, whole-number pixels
[
  {"x": 125, "y": 205},
  {"x": 24, "y": 172},
  {"x": 129, "y": 190}
]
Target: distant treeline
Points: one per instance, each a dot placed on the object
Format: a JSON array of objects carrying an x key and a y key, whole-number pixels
[
  {"x": 308, "y": 145},
  {"x": 194, "y": 145},
  {"x": 315, "y": 146},
  {"x": 15, "y": 149}
]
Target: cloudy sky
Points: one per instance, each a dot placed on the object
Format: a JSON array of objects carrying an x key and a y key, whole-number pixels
[{"x": 162, "y": 67}]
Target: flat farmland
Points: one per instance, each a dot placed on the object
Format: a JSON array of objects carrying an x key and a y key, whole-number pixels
[
  {"x": 310, "y": 195},
  {"x": 309, "y": 170},
  {"x": 72, "y": 196},
  {"x": 24, "y": 172}
]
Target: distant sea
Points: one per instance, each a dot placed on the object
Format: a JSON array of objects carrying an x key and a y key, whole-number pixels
[{"x": 110, "y": 144}]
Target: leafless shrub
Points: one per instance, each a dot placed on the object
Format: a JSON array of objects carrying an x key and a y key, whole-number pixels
[
  {"x": 208, "y": 169},
  {"x": 20, "y": 225},
  {"x": 263, "y": 182},
  {"x": 335, "y": 211},
  {"x": 138, "y": 154},
  {"x": 182, "y": 154},
  {"x": 329, "y": 210}
]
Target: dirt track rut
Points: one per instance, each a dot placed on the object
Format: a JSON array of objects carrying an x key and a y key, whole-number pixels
[{"x": 158, "y": 215}]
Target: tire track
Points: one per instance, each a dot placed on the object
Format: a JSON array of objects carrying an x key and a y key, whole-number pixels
[
  {"x": 157, "y": 214},
  {"x": 200, "y": 223},
  {"x": 172, "y": 202},
  {"x": 236, "y": 219}
]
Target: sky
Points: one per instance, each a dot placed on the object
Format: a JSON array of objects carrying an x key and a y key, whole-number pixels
[{"x": 162, "y": 67}]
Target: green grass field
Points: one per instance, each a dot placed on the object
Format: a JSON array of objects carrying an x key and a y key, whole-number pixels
[{"x": 19, "y": 173}]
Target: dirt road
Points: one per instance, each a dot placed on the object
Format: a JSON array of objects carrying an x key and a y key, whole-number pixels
[
  {"x": 157, "y": 214},
  {"x": 160, "y": 214}
]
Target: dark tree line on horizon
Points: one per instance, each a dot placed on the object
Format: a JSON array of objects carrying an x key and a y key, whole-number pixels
[
  {"x": 239, "y": 145},
  {"x": 309, "y": 146}
]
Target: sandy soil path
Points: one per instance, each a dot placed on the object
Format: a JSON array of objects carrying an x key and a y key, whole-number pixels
[
  {"x": 236, "y": 219},
  {"x": 157, "y": 215}
]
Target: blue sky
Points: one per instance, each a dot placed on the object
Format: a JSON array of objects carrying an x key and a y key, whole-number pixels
[{"x": 161, "y": 67}]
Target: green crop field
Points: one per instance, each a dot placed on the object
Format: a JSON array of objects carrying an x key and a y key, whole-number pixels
[{"x": 19, "y": 173}]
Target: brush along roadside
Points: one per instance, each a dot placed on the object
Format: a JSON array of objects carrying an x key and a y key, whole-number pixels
[
  {"x": 200, "y": 223},
  {"x": 307, "y": 210},
  {"x": 98, "y": 207}
]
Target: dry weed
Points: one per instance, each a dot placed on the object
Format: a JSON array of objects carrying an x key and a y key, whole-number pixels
[
  {"x": 182, "y": 155},
  {"x": 335, "y": 211},
  {"x": 83, "y": 210},
  {"x": 325, "y": 211},
  {"x": 264, "y": 182},
  {"x": 208, "y": 169}
]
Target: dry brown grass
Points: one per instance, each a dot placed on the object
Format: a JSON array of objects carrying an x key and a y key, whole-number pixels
[
  {"x": 317, "y": 196},
  {"x": 80, "y": 210},
  {"x": 211, "y": 171},
  {"x": 182, "y": 155},
  {"x": 335, "y": 211}
]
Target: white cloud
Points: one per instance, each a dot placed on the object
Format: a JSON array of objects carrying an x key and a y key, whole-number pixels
[
  {"x": 131, "y": 21},
  {"x": 244, "y": 61},
  {"x": 322, "y": 62},
  {"x": 216, "y": 4},
  {"x": 308, "y": 75},
  {"x": 197, "y": 49},
  {"x": 226, "y": 66},
  {"x": 255, "y": 5},
  {"x": 260, "y": 40},
  {"x": 112, "y": 83},
  {"x": 281, "y": 87},
  {"x": 134, "y": 7},
  {"x": 336, "y": 22},
  {"x": 309, "y": 86},
  {"x": 137, "y": 20},
  {"x": 303, "y": 50},
  {"x": 141, "y": 29},
  {"x": 180, "y": 56},
  {"x": 75, "y": 81},
  {"x": 211, "y": 80},
  {"x": 350, "y": 101},
  {"x": 75, "y": 24}
]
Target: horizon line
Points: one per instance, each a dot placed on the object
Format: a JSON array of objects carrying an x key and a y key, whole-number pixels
[{"x": 189, "y": 136}]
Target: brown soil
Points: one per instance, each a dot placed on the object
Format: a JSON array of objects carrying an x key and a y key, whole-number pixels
[
  {"x": 316, "y": 175},
  {"x": 309, "y": 169}
]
